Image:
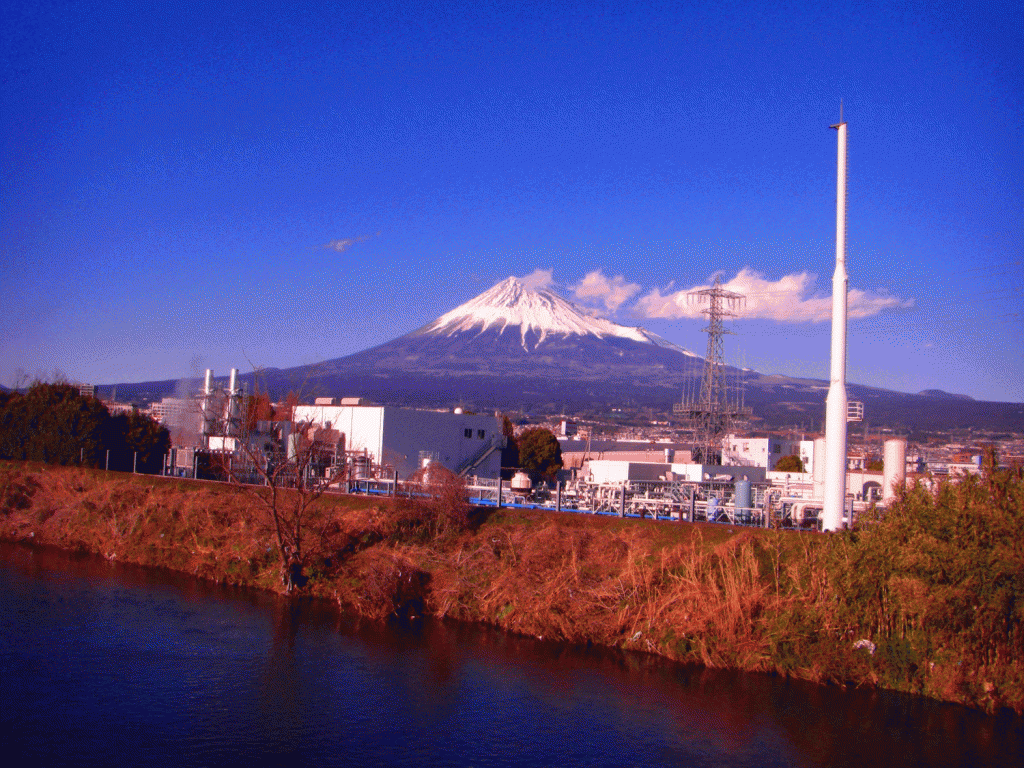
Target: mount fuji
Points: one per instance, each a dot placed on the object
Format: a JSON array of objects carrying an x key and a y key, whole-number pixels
[
  {"x": 515, "y": 348},
  {"x": 511, "y": 330},
  {"x": 536, "y": 315}
]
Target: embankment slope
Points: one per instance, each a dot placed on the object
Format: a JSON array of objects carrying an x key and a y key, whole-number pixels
[{"x": 923, "y": 601}]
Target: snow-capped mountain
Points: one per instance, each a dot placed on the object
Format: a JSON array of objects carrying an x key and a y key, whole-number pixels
[
  {"x": 515, "y": 348},
  {"x": 513, "y": 308},
  {"x": 512, "y": 331}
]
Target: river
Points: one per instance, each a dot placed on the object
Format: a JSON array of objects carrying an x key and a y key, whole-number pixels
[{"x": 109, "y": 664}]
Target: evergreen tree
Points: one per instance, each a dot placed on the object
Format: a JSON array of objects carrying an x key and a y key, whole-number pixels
[
  {"x": 56, "y": 424},
  {"x": 540, "y": 455}
]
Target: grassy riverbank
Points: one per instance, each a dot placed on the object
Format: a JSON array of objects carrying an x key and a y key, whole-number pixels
[{"x": 924, "y": 600}]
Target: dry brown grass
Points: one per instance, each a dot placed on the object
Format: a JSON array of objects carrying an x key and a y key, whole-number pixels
[{"x": 710, "y": 594}]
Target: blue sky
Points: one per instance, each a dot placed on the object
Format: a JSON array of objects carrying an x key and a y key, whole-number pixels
[{"x": 187, "y": 187}]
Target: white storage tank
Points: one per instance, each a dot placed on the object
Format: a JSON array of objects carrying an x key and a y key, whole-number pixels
[{"x": 894, "y": 468}]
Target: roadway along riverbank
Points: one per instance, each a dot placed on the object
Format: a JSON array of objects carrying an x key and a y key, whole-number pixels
[{"x": 922, "y": 601}]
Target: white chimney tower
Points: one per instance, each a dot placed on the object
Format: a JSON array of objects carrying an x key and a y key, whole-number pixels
[{"x": 835, "y": 406}]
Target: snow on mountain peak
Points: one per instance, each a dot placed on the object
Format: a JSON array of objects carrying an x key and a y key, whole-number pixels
[{"x": 512, "y": 306}]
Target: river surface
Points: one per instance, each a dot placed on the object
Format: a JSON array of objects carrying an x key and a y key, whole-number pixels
[{"x": 105, "y": 664}]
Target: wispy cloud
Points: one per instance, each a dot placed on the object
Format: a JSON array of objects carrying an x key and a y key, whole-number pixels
[
  {"x": 344, "y": 244},
  {"x": 539, "y": 279},
  {"x": 791, "y": 299},
  {"x": 611, "y": 292}
]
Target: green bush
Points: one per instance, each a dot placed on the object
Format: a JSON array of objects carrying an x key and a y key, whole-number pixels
[{"x": 938, "y": 575}]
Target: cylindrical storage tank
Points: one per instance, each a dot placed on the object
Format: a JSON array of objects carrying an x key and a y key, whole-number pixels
[
  {"x": 818, "y": 467},
  {"x": 743, "y": 495},
  {"x": 521, "y": 482},
  {"x": 894, "y": 468},
  {"x": 361, "y": 467}
]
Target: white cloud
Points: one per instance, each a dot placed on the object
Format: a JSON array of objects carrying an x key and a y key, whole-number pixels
[
  {"x": 344, "y": 244},
  {"x": 538, "y": 280},
  {"x": 611, "y": 292},
  {"x": 790, "y": 299}
]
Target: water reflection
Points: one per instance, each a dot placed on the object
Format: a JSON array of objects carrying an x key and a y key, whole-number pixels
[{"x": 118, "y": 665}]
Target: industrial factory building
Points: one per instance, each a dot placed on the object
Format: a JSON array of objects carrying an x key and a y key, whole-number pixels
[
  {"x": 407, "y": 439},
  {"x": 763, "y": 451},
  {"x": 389, "y": 438}
]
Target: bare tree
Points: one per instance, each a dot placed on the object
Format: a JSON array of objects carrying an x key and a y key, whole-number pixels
[{"x": 285, "y": 465}]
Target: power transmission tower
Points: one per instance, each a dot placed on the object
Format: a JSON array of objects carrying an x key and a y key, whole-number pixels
[{"x": 712, "y": 414}]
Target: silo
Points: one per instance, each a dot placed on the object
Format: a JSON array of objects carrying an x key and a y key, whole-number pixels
[{"x": 894, "y": 470}]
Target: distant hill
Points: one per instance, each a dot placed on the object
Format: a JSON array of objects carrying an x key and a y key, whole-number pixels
[{"x": 943, "y": 394}]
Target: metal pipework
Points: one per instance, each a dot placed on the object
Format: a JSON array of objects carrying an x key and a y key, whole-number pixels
[{"x": 835, "y": 408}]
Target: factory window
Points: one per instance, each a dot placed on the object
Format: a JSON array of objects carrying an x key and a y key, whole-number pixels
[
  {"x": 467, "y": 432},
  {"x": 481, "y": 434}
]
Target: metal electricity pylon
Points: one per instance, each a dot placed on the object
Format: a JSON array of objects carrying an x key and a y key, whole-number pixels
[{"x": 713, "y": 412}]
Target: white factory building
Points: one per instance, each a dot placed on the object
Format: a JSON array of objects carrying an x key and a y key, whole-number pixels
[
  {"x": 407, "y": 439},
  {"x": 764, "y": 451}
]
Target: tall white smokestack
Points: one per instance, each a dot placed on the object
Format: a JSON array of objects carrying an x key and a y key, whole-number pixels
[
  {"x": 208, "y": 416},
  {"x": 232, "y": 409},
  {"x": 835, "y": 407}
]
